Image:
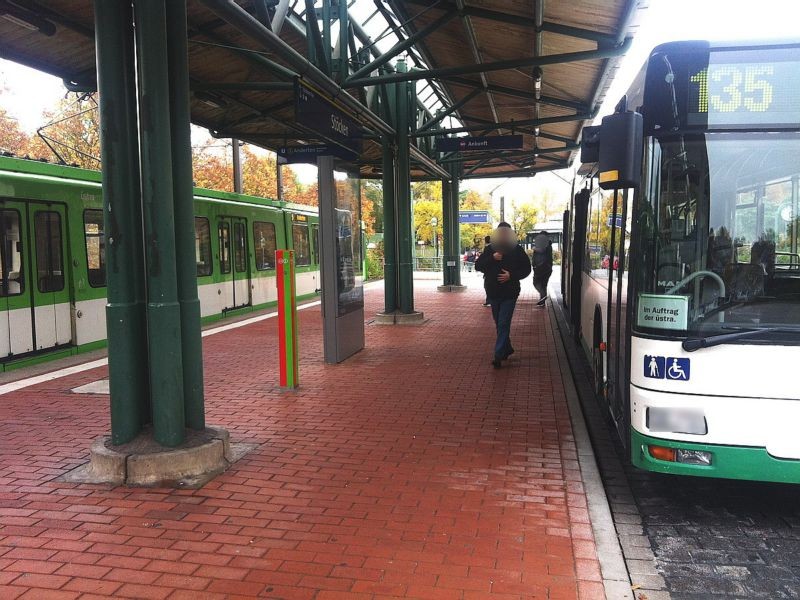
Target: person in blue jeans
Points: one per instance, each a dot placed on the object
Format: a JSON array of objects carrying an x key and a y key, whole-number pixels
[{"x": 504, "y": 264}]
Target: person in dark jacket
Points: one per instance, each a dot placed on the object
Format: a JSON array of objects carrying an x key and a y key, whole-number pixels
[
  {"x": 504, "y": 264},
  {"x": 486, "y": 241},
  {"x": 542, "y": 265}
]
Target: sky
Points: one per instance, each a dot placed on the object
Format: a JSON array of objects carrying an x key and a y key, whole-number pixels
[{"x": 28, "y": 92}]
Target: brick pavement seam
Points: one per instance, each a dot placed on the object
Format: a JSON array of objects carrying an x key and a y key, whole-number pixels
[
  {"x": 645, "y": 577},
  {"x": 616, "y": 579}
]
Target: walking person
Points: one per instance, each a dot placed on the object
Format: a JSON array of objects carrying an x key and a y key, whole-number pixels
[
  {"x": 542, "y": 265},
  {"x": 504, "y": 264},
  {"x": 486, "y": 241}
]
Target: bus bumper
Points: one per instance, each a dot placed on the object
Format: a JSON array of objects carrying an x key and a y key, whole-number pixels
[{"x": 728, "y": 462}]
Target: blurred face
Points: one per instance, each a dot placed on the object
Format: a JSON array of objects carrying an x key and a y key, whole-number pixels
[{"x": 504, "y": 237}]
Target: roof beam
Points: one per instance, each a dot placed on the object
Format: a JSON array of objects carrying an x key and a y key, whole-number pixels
[
  {"x": 403, "y": 45},
  {"x": 502, "y": 65},
  {"x": 520, "y": 173},
  {"x": 453, "y": 108},
  {"x": 507, "y": 125},
  {"x": 476, "y": 55},
  {"x": 507, "y": 91},
  {"x": 602, "y": 39}
]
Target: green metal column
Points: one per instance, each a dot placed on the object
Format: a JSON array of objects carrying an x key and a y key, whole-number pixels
[
  {"x": 389, "y": 231},
  {"x": 163, "y": 310},
  {"x": 452, "y": 229},
  {"x": 185, "y": 259},
  {"x": 125, "y": 310},
  {"x": 405, "y": 279}
]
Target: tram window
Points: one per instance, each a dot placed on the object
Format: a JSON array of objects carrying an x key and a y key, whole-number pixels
[
  {"x": 239, "y": 247},
  {"x": 224, "y": 248},
  {"x": 302, "y": 249},
  {"x": 265, "y": 243},
  {"x": 49, "y": 259},
  {"x": 315, "y": 239},
  {"x": 11, "y": 271},
  {"x": 95, "y": 247},
  {"x": 202, "y": 246}
]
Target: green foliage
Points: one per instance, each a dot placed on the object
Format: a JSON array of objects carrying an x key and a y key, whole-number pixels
[
  {"x": 375, "y": 262},
  {"x": 524, "y": 219},
  {"x": 424, "y": 211}
]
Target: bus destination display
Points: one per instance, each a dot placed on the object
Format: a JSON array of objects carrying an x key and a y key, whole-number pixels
[{"x": 739, "y": 89}]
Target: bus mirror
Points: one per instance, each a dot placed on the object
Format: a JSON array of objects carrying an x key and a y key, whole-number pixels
[
  {"x": 621, "y": 151},
  {"x": 590, "y": 145}
]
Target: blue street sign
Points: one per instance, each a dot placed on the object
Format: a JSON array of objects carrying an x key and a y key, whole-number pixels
[
  {"x": 615, "y": 220},
  {"x": 667, "y": 367},
  {"x": 473, "y": 216},
  {"x": 309, "y": 154},
  {"x": 322, "y": 116},
  {"x": 471, "y": 144}
]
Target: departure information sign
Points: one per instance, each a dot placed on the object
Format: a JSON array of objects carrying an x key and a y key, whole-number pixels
[{"x": 745, "y": 88}]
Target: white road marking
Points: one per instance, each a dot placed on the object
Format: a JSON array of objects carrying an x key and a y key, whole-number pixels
[{"x": 59, "y": 373}]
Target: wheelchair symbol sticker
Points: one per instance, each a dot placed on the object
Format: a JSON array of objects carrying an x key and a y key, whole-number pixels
[
  {"x": 663, "y": 367},
  {"x": 678, "y": 369}
]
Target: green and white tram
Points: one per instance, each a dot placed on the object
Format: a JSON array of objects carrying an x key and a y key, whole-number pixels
[
  {"x": 682, "y": 278},
  {"x": 52, "y": 257}
]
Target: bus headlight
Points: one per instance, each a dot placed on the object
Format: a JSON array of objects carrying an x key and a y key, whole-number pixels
[{"x": 693, "y": 457}]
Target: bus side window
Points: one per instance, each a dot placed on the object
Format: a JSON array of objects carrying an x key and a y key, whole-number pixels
[
  {"x": 202, "y": 246},
  {"x": 95, "y": 240},
  {"x": 265, "y": 245}
]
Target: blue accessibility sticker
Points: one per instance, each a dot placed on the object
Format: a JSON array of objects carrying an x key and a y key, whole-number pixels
[{"x": 667, "y": 367}]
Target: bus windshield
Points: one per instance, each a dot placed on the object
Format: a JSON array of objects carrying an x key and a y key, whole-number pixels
[{"x": 720, "y": 221}]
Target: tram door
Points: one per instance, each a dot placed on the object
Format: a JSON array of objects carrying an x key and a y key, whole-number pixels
[
  {"x": 234, "y": 262},
  {"x": 33, "y": 283}
]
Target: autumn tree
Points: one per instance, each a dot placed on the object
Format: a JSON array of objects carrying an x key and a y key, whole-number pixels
[
  {"x": 12, "y": 138},
  {"x": 524, "y": 219},
  {"x": 71, "y": 134}
]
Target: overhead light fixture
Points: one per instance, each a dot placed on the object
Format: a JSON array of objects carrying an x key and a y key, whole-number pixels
[
  {"x": 26, "y": 19},
  {"x": 210, "y": 100},
  {"x": 537, "y": 81}
]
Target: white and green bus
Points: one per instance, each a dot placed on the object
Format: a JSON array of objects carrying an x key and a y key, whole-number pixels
[{"x": 682, "y": 271}]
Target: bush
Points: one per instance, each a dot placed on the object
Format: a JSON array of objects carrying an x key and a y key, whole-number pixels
[{"x": 375, "y": 263}]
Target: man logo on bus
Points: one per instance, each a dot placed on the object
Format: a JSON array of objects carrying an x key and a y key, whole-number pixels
[
  {"x": 662, "y": 367},
  {"x": 654, "y": 367}
]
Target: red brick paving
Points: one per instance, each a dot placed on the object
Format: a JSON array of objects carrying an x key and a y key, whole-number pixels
[{"x": 412, "y": 470}]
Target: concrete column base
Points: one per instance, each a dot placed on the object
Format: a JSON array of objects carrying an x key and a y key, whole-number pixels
[
  {"x": 399, "y": 318},
  {"x": 451, "y": 288},
  {"x": 144, "y": 462}
]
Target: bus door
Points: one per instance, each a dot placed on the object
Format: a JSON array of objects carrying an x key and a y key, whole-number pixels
[
  {"x": 16, "y": 322},
  {"x": 617, "y": 309},
  {"x": 49, "y": 285},
  {"x": 234, "y": 263}
]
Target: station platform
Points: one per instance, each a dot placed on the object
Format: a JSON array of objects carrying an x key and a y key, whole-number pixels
[{"x": 414, "y": 469}]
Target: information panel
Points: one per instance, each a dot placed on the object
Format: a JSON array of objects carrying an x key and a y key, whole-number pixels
[
  {"x": 663, "y": 311},
  {"x": 738, "y": 88}
]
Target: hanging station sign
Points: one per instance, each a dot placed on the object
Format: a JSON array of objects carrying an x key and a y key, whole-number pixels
[
  {"x": 322, "y": 116},
  {"x": 309, "y": 154},
  {"x": 471, "y": 144}
]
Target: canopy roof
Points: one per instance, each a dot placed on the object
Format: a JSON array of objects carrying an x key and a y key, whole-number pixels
[{"x": 529, "y": 67}]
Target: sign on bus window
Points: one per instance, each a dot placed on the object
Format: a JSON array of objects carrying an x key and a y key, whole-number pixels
[{"x": 663, "y": 311}]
